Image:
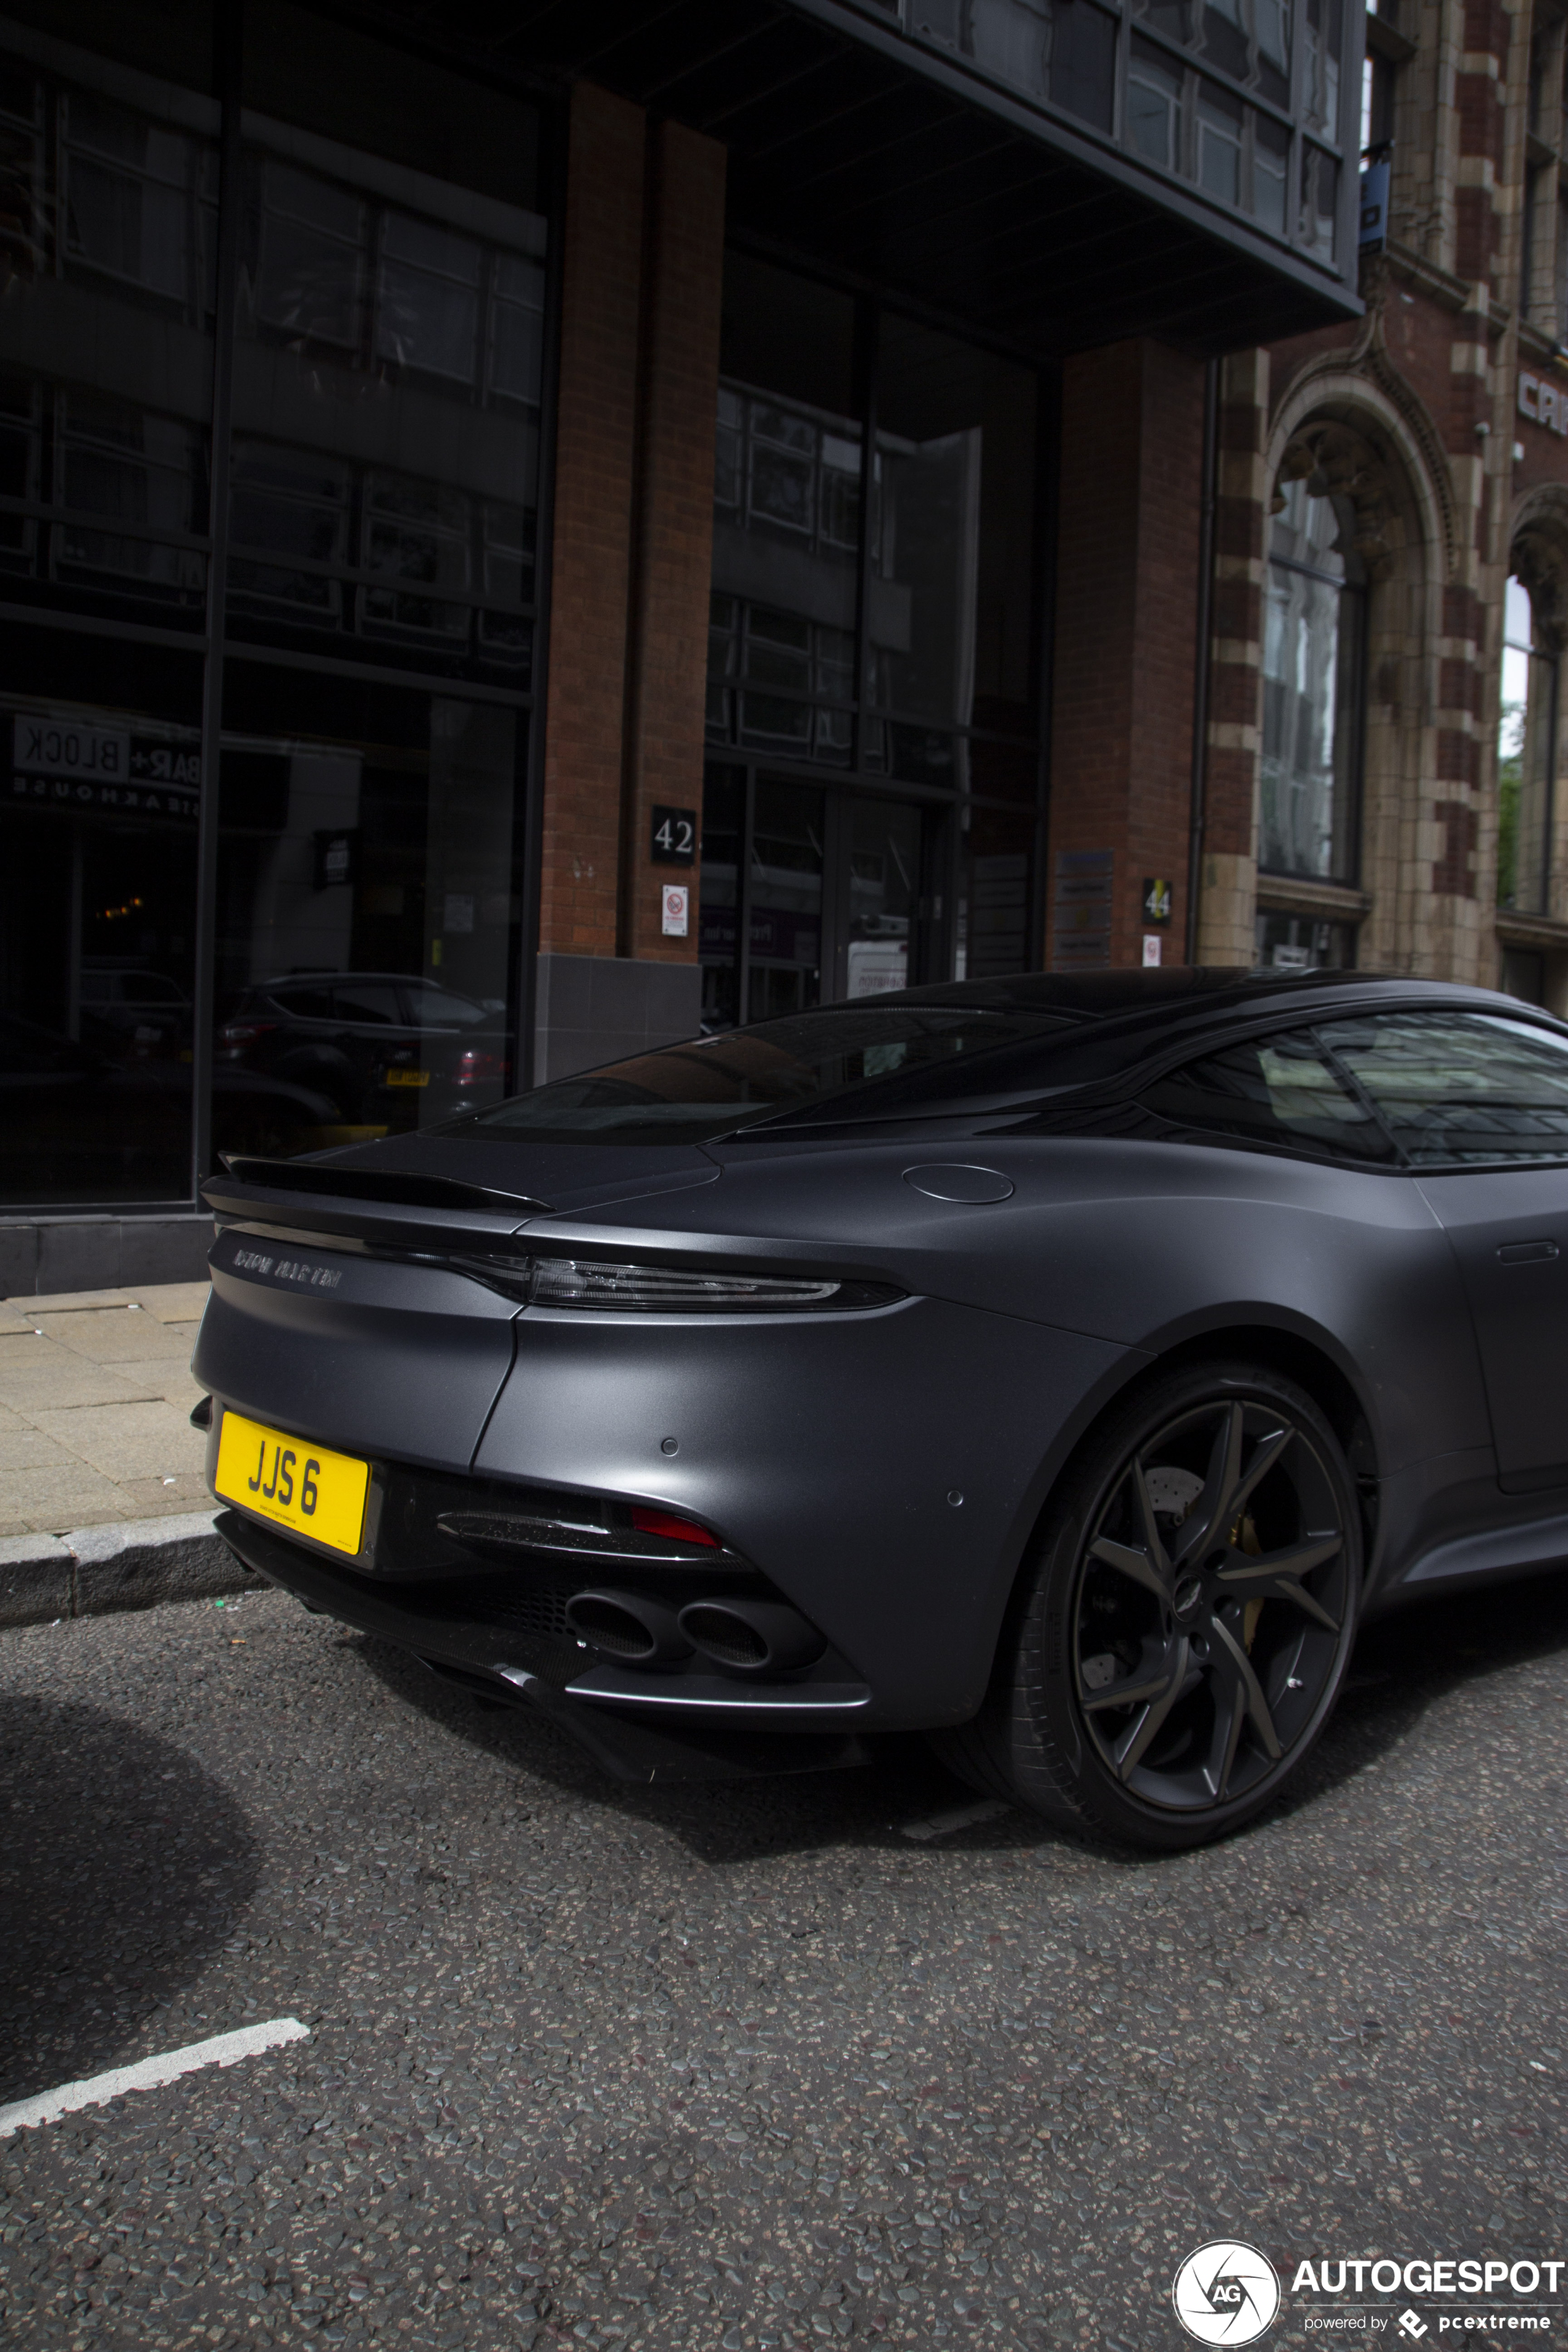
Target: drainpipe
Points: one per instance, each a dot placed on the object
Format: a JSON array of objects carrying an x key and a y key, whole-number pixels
[{"x": 1201, "y": 666}]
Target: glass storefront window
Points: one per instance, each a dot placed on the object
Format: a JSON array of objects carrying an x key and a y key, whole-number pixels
[
  {"x": 785, "y": 890},
  {"x": 365, "y": 909},
  {"x": 385, "y": 457},
  {"x": 786, "y": 520},
  {"x": 873, "y": 612},
  {"x": 992, "y": 927},
  {"x": 1312, "y": 709},
  {"x": 1527, "y": 763},
  {"x": 950, "y": 619},
  {"x": 1303, "y": 943},
  {"x": 111, "y": 203}
]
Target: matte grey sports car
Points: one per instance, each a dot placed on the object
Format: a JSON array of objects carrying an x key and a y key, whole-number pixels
[{"x": 1063, "y": 1367}]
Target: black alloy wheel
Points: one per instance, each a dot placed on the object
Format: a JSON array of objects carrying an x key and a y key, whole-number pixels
[{"x": 1190, "y": 1618}]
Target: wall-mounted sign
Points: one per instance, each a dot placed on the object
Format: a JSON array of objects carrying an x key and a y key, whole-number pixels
[
  {"x": 1373, "y": 232},
  {"x": 1156, "y": 900},
  {"x": 676, "y": 901},
  {"x": 674, "y": 839},
  {"x": 1544, "y": 403}
]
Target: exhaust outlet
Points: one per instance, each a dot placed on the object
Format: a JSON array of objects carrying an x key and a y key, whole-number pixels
[
  {"x": 751, "y": 1637},
  {"x": 627, "y": 1625}
]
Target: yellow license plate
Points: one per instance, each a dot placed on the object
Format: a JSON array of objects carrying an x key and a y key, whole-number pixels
[
  {"x": 408, "y": 1077},
  {"x": 306, "y": 1487}
]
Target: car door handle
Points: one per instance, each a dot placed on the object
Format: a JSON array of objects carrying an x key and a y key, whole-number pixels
[{"x": 1526, "y": 1253}]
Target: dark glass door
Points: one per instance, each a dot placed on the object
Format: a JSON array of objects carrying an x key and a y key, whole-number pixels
[{"x": 807, "y": 895}]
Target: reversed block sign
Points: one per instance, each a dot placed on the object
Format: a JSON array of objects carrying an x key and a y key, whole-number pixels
[
  {"x": 1081, "y": 910},
  {"x": 676, "y": 901}
]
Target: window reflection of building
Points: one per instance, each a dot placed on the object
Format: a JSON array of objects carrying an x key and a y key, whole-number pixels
[
  {"x": 1526, "y": 758},
  {"x": 1312, "y": 703},
  {"x": 382, "y": 590},
  {"x": 1207, "y": 92},
  {"x": 786, "y": 504},
  {"x": 872, "y": 616}
]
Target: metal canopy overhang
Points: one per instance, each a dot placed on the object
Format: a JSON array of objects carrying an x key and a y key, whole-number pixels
[{"x": 855, "y": 149}]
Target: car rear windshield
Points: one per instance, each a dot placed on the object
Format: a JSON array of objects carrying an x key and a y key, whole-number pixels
[{"x": 710, "y": 1085}]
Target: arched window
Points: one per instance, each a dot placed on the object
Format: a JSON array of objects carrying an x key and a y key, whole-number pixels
[
  {"x": 1527, "y": 757},
  {"x": 1314, "y": 694}
]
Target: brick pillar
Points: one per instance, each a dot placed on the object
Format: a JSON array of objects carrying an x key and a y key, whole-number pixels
[
  {"x": 1131, "y": 475},
  {"x": 1228, "y": 874},
  {"x": 590, "y": 567},
  {"x": 673, "y": 560}
]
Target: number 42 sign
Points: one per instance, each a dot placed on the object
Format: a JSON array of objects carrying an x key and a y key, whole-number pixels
[{"x": 673, "y": 837}]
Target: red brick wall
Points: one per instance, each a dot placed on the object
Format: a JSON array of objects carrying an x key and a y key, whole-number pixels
[
  {"x": 1127, "y": 588},
  {"x": 673, "y": 560},
  {"x": 590, "y": 570}
]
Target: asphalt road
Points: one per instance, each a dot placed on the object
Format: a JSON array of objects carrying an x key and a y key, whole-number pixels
[{"x": 748, "y": 2065}]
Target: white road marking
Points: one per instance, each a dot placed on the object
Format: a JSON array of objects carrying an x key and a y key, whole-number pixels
[
  {"x": 148, "y": 2073},
  {"x": 939, "y": 1825}
]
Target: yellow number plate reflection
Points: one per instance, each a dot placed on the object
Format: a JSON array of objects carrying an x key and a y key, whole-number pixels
[
  {"x": 317, "y": 1492},
  {"x": 408, "y": 1077}
]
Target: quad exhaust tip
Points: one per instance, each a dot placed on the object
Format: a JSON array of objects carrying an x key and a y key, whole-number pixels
[
  {"x": 740, "y": 1637},
  {"x": 629, "y": 1627}
]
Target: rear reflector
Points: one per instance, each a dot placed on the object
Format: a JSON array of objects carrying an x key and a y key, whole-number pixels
[{"x": 665, "y": 1523}]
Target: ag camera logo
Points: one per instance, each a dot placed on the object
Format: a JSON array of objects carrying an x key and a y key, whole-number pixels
[{"x": 1227, "y": 2292}]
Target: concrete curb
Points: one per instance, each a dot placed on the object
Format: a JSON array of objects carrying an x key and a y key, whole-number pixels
[{"x": 132, "y": 1564}]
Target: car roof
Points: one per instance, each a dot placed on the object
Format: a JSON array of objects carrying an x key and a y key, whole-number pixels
[
  {"x": 1178, "y": 993},
  {"x": 1111, "y": 1030}
]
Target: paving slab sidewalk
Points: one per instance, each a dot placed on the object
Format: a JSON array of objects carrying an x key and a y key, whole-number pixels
[{"x": 103, "y": 1500}]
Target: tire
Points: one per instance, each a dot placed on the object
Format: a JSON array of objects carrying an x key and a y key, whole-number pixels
[{"x": 1181, "y": 1638}]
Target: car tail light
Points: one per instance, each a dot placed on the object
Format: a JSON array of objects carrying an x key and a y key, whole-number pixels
[
  {"x": 474, "y": 1065},
  {"x": 246, "y": 1032},
  {"x": 618, "y": 1286},
  {"x": 665, "y": 1523}
]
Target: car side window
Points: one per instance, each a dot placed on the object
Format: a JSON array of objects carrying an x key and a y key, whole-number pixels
[
  {"x": 1460, "y": 1089},
  {"x": 1280, "y": 1091},
  {"x": 430, "y": 1007},
  {"x": 368, "y": 1000},
  {"x": 304, "y": 1004}
]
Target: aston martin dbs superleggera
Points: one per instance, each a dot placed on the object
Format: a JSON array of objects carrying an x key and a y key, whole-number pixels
[{"x": 1062, "y": 1367}]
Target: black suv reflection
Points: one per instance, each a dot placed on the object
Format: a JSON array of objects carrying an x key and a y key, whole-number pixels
[{"x": 389, "y": 1050}]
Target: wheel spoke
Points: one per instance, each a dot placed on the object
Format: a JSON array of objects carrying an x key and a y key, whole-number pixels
[
  {"x": 1227, "y": 1486},
  {"x": 1131, "y": 1750},
  {"x": 1224, "y": 1470},
  {"x": 1250, "y": 1690},
  {"x": 1227, "y": 1742},
  {"x": 1277, "y": 1575},
  {"x": 1127, "y": 1693},
  {"x": 1154, "y": 1541},
  {"x": 1127, "y": 1560}
]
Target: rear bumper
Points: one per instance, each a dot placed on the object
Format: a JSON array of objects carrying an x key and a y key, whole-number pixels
[
  {"x": 879, "y": 1472},
  {"x": 495, "y": 1643},
  {"x": 720, "y": 1731}
]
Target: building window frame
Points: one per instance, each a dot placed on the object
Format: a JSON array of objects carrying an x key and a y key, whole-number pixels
[{"x": 189, "y": 565}]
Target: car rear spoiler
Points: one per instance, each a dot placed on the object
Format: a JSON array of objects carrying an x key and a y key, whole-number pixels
[{"x": 397, "y": 1189}]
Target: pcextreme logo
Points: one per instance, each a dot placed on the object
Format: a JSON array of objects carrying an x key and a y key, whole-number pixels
[{"x": 1227, "y": 2292}]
